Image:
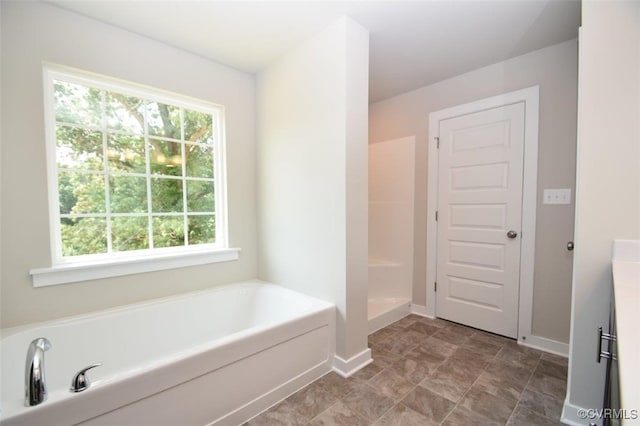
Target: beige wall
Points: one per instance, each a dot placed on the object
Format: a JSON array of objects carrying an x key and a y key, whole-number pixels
[
  {"x": 608, "y": 189},
  {"x": 555, "y": 70},
  {"x": 312, "y": 175},
  {"x": 36, "y": 32}
]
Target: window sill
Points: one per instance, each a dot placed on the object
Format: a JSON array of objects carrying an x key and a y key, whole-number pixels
[{"x": 65, "y": 274}]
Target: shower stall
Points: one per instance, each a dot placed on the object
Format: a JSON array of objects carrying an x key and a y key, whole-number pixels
[{"x": 391, "y": 202}]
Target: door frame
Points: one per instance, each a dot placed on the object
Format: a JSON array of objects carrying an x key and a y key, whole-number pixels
[{"x": 530, "y": 97}]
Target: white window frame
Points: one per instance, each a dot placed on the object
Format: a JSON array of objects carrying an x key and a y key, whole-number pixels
[{"x": 67, "y": 269}]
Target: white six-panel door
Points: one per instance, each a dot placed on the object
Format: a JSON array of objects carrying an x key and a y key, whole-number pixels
[{"x": 480, "y": 174}]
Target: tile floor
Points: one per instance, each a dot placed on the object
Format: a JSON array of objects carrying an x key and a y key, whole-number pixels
[{"x": 429, "y": 372}]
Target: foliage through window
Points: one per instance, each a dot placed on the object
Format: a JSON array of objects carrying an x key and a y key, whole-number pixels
[{"x": 134, "y": 169}]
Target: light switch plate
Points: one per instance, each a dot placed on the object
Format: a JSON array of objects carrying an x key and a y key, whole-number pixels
[{"x": 556, "y": 196}]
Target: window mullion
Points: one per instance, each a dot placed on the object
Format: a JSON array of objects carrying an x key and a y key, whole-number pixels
[
  {"x": 183, "y": 149},
  {"x": 105, "y": 167},
  {"x": 148, "y": 175}
]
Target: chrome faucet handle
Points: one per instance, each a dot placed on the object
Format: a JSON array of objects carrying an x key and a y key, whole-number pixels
[{"x": 80, "y": 380}]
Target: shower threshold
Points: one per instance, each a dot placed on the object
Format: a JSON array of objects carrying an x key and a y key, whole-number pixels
[{"x": 386, "y": 310}]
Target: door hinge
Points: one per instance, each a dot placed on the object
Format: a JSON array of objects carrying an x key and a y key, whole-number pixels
[
  {"x": 435, "y": 286},
  {"x": 437, "y": 142},
  {"x": 436, "y": 215}
]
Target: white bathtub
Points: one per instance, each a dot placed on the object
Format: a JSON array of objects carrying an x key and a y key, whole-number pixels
[{"x": 213, "y": 357}]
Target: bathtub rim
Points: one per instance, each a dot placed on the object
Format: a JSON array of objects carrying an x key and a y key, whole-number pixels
[{"x": 70, "y": 319}]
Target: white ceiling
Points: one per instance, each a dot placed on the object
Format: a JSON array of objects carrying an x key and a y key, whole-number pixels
[{"x": 413, "y": 43}]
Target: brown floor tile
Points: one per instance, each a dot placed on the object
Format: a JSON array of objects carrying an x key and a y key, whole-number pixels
[
  {"x": 551, "y": 368},
  {"x": 522, "y": 416},
  {"x": 380, "y": 335},
  {"x": 499, "y": 386},
  {"x": 391, "y": 384},
  {"x": 338, "y": 415},
  {"x": 439, "y": 347},
  {"x": 412, "y": 334},
  {"x": 311, "y": 401},
  {"x": 555, "y": 358},
  {"x": 383, "y": 358},
  {"x": 401, "y": 343},
  {"x": 510, "y": 370},
  {"x": 433, "y": 350},
  {"x": 435, "y": 346},
  {"x": 495, "y": 339},
  {"x": 451, "y": 380},
  {"x": 543, "y": 405},
  {"x": 336, "y": 385},
  {"x": 401, "y": 415},
  {"x": 548, "y": 385},
  {"x": 405, "y": 322},
  {"x": 487, "y": 405},
  {"x": 460, "y": 369},
  {"x": 471, "y": 359},
  {"x": 523, "y": 355},
  {"x": 483, "y": 345},
  {"x": 417, "y": 365},
  {"x": 435, "y": 322},
  {"x": 446, "y": 387},
  {"x": 451, "y": 336},
  {"x": 367, "y": 372},
  {"x": 461, "y": 329},
  {"x": 461, "y": 416},
  {"x": 367, "y": 402},
  {"x": 433, "y": 406},
  {"x": 422, "y": 328},
  {"x": 282, "y": 414}
]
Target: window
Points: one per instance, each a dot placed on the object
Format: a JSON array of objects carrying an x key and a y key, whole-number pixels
[{"x": 133, "y": 172}]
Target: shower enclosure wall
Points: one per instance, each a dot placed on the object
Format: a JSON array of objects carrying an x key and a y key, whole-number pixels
[{"x": 391, "y": 195}]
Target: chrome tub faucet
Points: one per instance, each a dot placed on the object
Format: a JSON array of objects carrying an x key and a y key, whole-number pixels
[{"x": 35, "y": 384}]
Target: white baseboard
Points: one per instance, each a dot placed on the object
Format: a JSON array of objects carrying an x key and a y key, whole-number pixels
[
  {"x": 387, "y": 318},
  {"x": 421, "y": 311},
  {"x": 570, "y": 416},
  {"x": 546, "y": 345},
  {"x": 346, "y": 368}
]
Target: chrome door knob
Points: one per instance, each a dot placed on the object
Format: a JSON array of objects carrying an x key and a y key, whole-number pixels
[{"x": 512, "y": 234}]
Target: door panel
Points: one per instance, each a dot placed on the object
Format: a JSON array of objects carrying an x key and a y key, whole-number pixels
[
  {"x": 480, "y": 293},
  {"x": 477, "y": 255},
  {"x": 480, "y": 169},
  {"x": 491, "y": 176},
  {"x": 478, "y": 216}
]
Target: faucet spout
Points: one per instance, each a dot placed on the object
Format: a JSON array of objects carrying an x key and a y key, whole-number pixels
[{"x": 35, "y": 384}]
